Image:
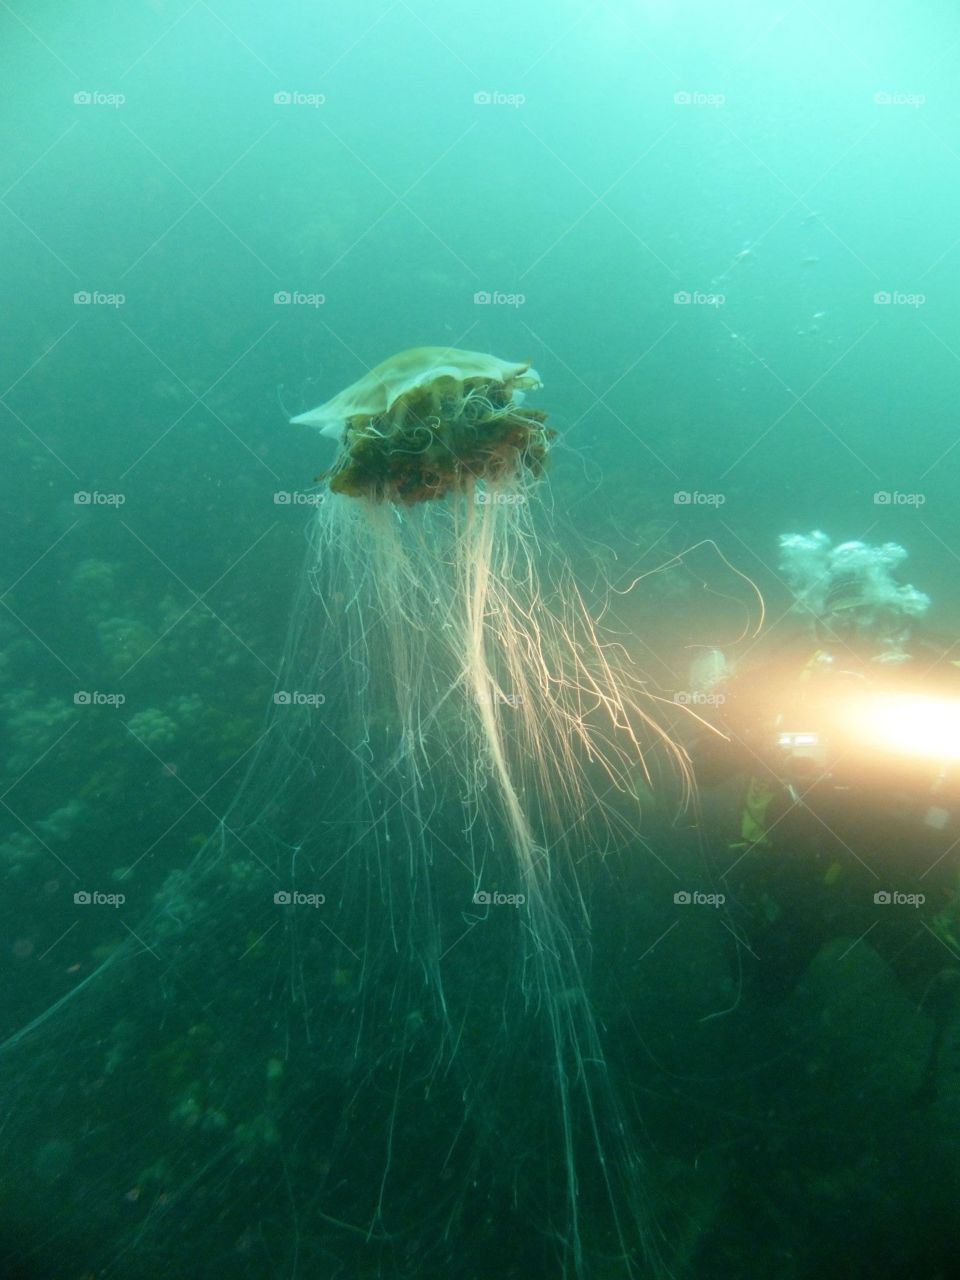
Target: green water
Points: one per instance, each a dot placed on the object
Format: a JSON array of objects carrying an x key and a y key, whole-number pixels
[{"x": 725, "y": 235}]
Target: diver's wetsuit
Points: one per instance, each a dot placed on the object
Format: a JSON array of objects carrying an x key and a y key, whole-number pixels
[
  {"x": 817, "y": 842},
  {"x": 815, "y": 873}
]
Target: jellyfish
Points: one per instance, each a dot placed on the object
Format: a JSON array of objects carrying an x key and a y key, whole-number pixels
[{"x": 367, "y": 1008}]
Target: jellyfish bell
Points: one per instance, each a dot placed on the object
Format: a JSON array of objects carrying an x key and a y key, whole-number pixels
[
  {"x": 430, "y": 421},
  {"x": 378, "y": 391}
]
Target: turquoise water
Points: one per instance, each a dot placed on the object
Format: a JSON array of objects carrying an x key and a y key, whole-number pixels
[{"x": 726, "y": 240}]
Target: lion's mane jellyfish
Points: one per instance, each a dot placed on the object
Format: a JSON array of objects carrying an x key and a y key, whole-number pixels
[{"x": 358, "y": 1036}]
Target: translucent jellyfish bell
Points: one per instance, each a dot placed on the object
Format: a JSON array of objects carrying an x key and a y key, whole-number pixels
[{"x": 378, "y": 391}]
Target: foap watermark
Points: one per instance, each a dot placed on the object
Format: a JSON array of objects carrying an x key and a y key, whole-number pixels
[
  {"x": 495, "y": 98},
  {"x": 94, "y": 498},
  {"x": 94, "y": 898},
  {"x": 294, "y": 898},
  {"x": 295, "y": 698},
  {"x": 497, "y": 899},
  {"x": 695, "y": 898},
  {"x": 96, "y": 298},
  {"x": 898, "y": 98},
  {"x": 295, "y": 298},
  {"x": 695, "y": 298},
  {"x": 893, "y": 897},
  {"x": 894, "y": 498},
  {"x": 295, "y": 98},
  {"x": 487, "y": 499},
  {"x": 495, "y": 298},
  {"x": 697, "y": 98},
  {"x": 694, "y": 498},
  {"x": 695, "y": 698},
  {"x": 296, "y": 498},
  {"x": 498, "y": 698},
  {"x": 94, "y": 698},
  {"x": 96, "y": 98},
  {"x": 897, "y": 298}
]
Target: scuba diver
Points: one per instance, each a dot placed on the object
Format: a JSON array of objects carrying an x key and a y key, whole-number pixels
[{"x": 840, "y": 752}]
